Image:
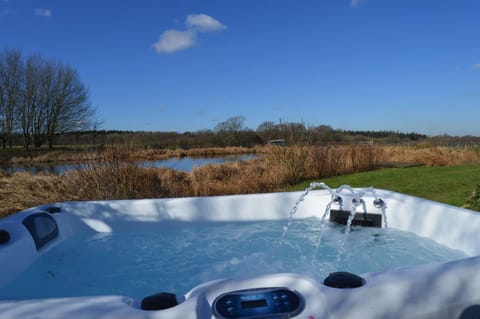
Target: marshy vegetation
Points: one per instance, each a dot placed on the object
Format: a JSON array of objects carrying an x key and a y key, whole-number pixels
[
  {"x": 137, "y": 153},
  {"x": 114, "y": 172}
]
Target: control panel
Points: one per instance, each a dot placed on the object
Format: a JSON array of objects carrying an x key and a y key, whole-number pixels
[{"x": 268, "y": 303}]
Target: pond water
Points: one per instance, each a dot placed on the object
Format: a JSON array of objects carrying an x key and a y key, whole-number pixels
[{"x": 185, "y": 164}]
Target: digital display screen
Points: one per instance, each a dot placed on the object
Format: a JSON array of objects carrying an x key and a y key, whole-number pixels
[{"x": 254, "y": 303}]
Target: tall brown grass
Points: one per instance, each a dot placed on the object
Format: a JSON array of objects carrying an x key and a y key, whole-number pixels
[
  {"x": 282, "y": 166},
  {"x": 135, "y": 152},
  {"x": 22, "y": 190},
  {"x": 431, "y": 156},
  {"x": 115, "y": 173},
  {"x": 51, "y": 157}
]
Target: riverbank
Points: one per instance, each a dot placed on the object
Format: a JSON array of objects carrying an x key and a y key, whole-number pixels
[
  {"x": 138, "y": 153},
  {"x": 114, "y": 174}
]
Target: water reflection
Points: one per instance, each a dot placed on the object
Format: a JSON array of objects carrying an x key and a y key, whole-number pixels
[
  {"x": 185, "y": 164},
  {"x": 188, "y": 163},
  {"x": 45, "y": 168}
]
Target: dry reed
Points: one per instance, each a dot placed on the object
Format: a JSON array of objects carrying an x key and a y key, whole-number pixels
[
  {"x": 22, "y": 190},
  {"x": 282, "y": 166},
  {"x": 115, "y": 173},
  {"x": 431, "y": 156},
  {"x": 136, "y": 152}
]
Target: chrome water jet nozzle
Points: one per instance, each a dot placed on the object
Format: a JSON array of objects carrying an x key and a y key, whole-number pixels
[
  {"x": 379, "y": 203},
  {"x": 337, "y": 200},
  {"x": 357, "y": 201}
]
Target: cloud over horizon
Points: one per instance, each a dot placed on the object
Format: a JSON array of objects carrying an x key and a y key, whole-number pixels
[
  {"x": 171, "y": 41},
  {"x": 476, "y": 66}
]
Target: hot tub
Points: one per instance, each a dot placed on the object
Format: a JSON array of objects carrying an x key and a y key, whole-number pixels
[{"x": 434, "y": 290}]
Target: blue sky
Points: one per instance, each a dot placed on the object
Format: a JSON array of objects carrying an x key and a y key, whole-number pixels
[{"x": 185, "y": 65}]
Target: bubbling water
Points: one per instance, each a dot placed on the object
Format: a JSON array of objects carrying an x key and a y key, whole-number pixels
[
  {"x": 293, "y": 211},
  {"x": 336, "y": 198},
  {"x": 177, "y": 257}
]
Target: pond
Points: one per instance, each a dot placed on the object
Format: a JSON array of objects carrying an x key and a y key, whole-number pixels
[{"x": 185, "y": 164}]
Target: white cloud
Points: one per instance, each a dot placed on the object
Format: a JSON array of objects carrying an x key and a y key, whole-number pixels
[
  {"x": 203, "y": 23},
  {"x": 356, "y": 3},
  {"x": 476, "y": 66},
  {"x": 173, "y": 40},
  {"x": 43, "y": 12}
]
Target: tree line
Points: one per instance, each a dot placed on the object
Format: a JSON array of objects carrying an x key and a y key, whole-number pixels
[
  {"x": 40, "y": 99},
  {"x": 233, "y": 132}
]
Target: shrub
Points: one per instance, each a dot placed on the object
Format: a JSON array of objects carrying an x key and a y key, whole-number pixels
[
  {"x": 117, "y": 175},
  {"x": 473, "y": 201}
]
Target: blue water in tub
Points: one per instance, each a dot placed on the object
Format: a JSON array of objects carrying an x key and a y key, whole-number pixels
[{"x": 179, "y": 257}]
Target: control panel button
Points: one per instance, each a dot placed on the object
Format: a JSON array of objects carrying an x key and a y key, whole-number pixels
[{"x": 266, "y": 303}]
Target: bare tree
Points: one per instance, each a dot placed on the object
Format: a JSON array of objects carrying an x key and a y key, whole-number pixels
[
  {"x": 67, "y": 107},
  {"x": 232, "y": 124},
  {"x": 96, "y": 124},
  {"x": 53, "y": 101},
  {"x": 11, "y": 76},
  {"x": 292, "y": 132},
  {"x": 230, "y": 128},
  {"x": 29, "y": 108},
  {"x": 268, "y": 130}
]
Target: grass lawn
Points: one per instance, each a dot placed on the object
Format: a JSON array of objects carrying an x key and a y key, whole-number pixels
[{"x": 449, "y": 184}]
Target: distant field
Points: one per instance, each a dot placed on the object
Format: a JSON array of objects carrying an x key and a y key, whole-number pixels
[{"x": 448, "y": 184}]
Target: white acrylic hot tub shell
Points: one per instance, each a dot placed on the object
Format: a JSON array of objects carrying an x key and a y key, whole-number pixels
[{"x": 429, "y": 291}]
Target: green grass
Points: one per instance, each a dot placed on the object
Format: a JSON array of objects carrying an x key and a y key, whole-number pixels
[{"x": 449, "y": 184}]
